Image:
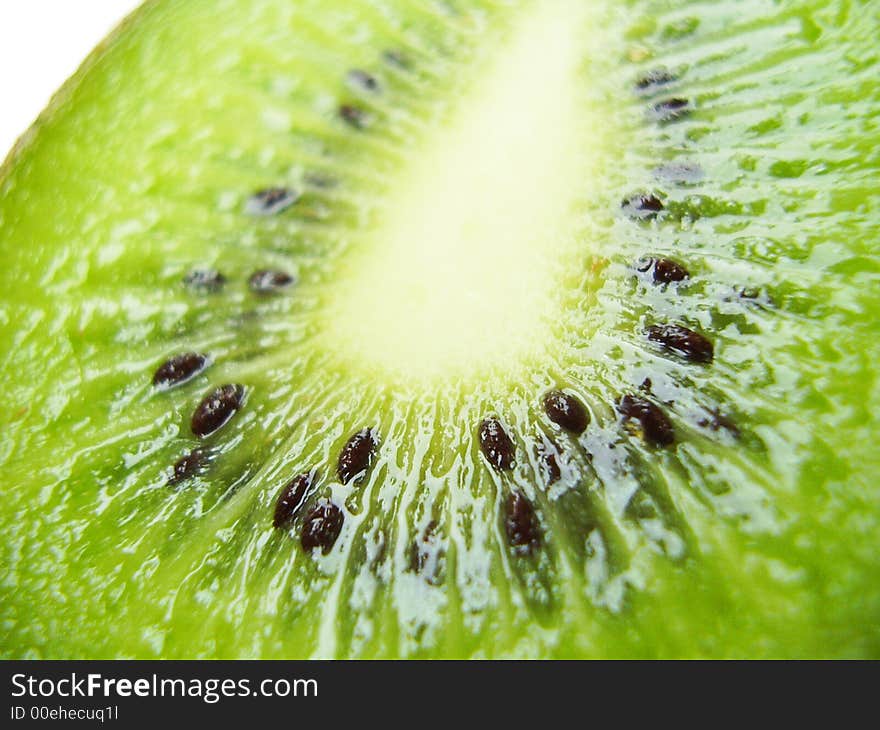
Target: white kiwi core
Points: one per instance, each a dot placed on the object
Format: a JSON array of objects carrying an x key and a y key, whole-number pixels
[{"x": 463, "y": 275}]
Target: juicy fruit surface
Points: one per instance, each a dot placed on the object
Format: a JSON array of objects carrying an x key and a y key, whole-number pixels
[{"x": 417, "y": 391}]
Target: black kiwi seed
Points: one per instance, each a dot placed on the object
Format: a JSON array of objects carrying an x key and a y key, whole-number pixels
[
  {"x": 496, "y": 444},
  {"x": 643, "y": 206},
  {"x": 353, "y": 116},
  {"x": 266, "y": 281},
  {"x": 206, "y": 280},
  {"x": 550, "y": 465},
  {"x": 321, "y": 527},
  {"x": 665, "y": 271},
  {"x": 270, "y": 201},
  {"x": 718, "y": 420},
  {"x": 656, "y": 426},
  {"x": 655, "y": 77},
  {"x": 291, "y": 498},
  {"x": 669, "y": 110},
  {"x": 566, "y": 411},
  {"x": 356, "y": 456},
  {"x": 216, "y": 409},
  {"x": 179, "y": 369},
  {"x": 420, "y": 550},
  {"x": 683, "y": 341},
  {"x": 362, "y": 80},
  {"x": 188, "y": 466},
  {"x": 521, "y": 523}
]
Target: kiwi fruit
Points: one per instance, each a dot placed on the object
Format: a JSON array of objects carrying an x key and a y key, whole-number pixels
[{"x": 413, "y": 328}]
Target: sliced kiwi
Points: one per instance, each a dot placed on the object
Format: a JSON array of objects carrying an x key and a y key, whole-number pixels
[{"x": 425, "y": 329}]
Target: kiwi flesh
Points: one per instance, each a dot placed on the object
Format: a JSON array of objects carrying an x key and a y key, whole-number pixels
[{"x": 447, "y": 329}]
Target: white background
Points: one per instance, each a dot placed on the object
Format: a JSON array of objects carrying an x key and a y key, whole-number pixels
[{"x": 42, "y": 42}]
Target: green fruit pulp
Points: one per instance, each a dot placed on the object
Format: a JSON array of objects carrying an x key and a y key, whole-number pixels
[{"x": 458, "y": 251}]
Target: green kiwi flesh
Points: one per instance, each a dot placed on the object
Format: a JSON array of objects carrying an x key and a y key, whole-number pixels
[{"x": 447, "y": 329}]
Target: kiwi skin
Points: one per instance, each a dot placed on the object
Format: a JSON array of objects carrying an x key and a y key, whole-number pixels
[{"x": 682, "y": 602}]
